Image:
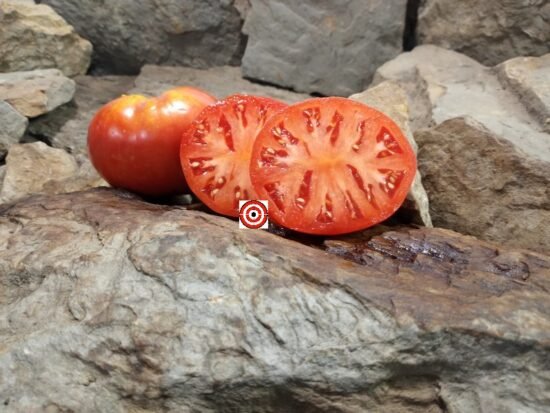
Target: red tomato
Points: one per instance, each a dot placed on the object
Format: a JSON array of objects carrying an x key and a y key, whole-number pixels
[
  {"x": 134, "y": 141},
  {"x": 331, "y": 166},
  {"x": 215, "y": 150}
]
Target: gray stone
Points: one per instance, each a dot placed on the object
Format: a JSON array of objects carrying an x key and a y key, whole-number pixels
[
  {"x": 392, "y": 100},
  {"x": 127, "y": 34},
  {"x": 35, "y": 37},
  {"x": 110, "y": 304},
  {"x": 37, "y": 168},
  {"x": 67, "y": 127},
  {"x": 12, "y": 127},
  {"x": 328, "y": 47},
  {"x": 529, "y": 78},
  {"x": 499, "y": 102},
  {"x": 490, "y": 31},
  {"x": 480, "y": 184},
  {"x": 36, "y": 92},
  {"x": 218, "y": 81},
  {"x": 2, "y": 174},
  {"x": 443, "y": 85}
]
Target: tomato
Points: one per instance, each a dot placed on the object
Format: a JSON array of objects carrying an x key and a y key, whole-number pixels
[
  {"x": 134, "y": 141},
  {"x": 215, "y": 150},
  {"x": 331, "y": 166}
]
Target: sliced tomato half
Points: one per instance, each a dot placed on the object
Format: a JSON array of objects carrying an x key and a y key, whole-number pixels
[
  {"x": 215, "y": 151},
  {"x": 331, "y": 166}
]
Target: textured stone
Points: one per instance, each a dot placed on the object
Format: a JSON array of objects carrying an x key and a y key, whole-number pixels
[
  {"x": 67, "y": 127},
  {"x": 35, "y": 37},
  {"x": 111, "y": 304},
  {"x": 443, "y": 85},
  {"x": 127, "y": 34},
  {"x": 218, "y": 81},
  {"x": 36, "y": 92},
  {"x": 495, "y": 188},
  {"x": 529, "y": 78},
  {"x": 490, "y": 31},
  {"x": 481, "y": 184},
  {"x": 499, "y": 104},
  {"x": 36, "y": 168},
  {"x": 328, "y": 47},
  {"x": 12, "y": 127},
  {"x": 2, "y": 174},
  {"x": 391, "y": 99}
]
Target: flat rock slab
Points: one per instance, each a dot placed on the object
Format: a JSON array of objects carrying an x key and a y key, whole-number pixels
[
  {"x": 490, "y": 31},
  {"x": 36, "y": 92},
  {"x": 443, "y": 85},
  {"x": 128, "y": 34},
  {"x": 321, "y": 46},
  {"x": 36, "y": 37},
  {"x": 529, "y": 78},
  {"x": 218, "y": 81},
  {"x": 13, "y": 126},
  {"x": 112, "y": 304}
]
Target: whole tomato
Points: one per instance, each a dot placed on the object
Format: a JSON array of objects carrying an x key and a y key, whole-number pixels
[{"x": 134, "y": 141}]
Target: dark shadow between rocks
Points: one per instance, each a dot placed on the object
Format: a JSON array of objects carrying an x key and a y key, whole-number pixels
[{"x": 411, "y": 21}]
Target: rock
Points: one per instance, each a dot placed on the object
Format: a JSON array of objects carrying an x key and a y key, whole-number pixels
[
  {"x": 304, "y": 46},
  {"x": 13, "y": 127},
  {"x": 193, "y": 33},
  {"x": 481, "y": 184},
  {"x": 391, "y": 99},
  {"x": 2, "y": 174},
  {"x": 529, "y": 78},
  {"x": 489, "y": 31},
  {"x": 36, "y": 92},
  {"x": 218, "y": 81},
  {"x": 35, "y": 37},
  {"x": 67, "y": 127},
  {"x": 36, "y": 168},
  {"x": 443, "y": 85},
  {"x": 112, "y": 304}
]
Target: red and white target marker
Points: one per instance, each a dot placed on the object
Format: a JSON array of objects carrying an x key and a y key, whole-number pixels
[{"x": 253, "y": 214}]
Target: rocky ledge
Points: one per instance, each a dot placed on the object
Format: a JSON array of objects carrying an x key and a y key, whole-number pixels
[{"x": 109, "y": 303}]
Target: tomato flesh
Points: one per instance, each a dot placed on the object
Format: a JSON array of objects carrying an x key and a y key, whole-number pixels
[
  {"x": 134, "y": 141},
  {"x": 215, "y": 151},
  {"x": 331, "y": 166}
]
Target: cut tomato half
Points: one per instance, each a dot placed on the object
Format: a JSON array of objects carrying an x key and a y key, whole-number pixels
[
  {"x": 331, "y": 166},
  {"x": 215, "y": 151}
]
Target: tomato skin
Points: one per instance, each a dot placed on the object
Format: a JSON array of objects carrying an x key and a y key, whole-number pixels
[
  {"x": 134, "y": 141},
  {"x": 331, "y": 166},
  {"x": 215, "y": 150}
]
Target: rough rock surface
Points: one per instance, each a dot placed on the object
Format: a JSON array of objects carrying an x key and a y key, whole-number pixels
[
  {"x": 111, "y": 304},
  {"x": 304, "y": 46},
  {"x": 195, "y": 33},
  {"x": 36, "y": 92},
  {"x": 2, "y": 174},
  {"x": 391, "y": 99},
  {"x": 443, "y": 85},
  {"x": 218, "y": 81},
  {"x": 36, "y": 168},
  {"x": 12, "y": 127},
  {"x": 501, "y": 103},
  {"x": 529, "y": 78},
  {"x": 490, "y": 31},
  {"x": 67, "y": 127},
  {"x": 35, "y": 37},
  {"x": 480, "y": 184}
]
